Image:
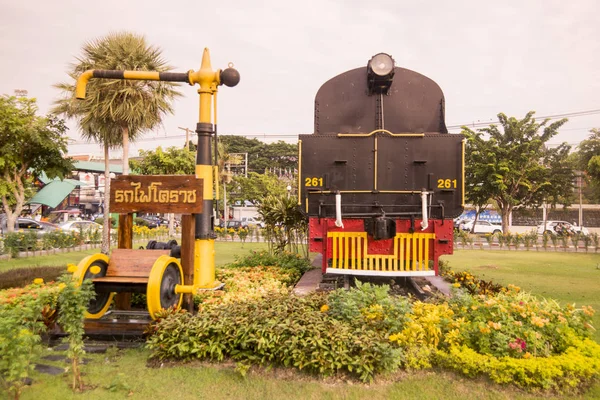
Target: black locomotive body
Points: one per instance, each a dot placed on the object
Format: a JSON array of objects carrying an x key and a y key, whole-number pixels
[{"x": 381, "y": 178}]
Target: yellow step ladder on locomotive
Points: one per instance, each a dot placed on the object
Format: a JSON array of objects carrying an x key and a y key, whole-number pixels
[{"x": 410, "y": 257}]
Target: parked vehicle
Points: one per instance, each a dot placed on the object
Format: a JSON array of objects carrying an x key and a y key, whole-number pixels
[
  {"x": 252, "y": 221},
  {"x": 460, "y": 222},
  {"x": 482, "y": 227},
  {"x": 147, "y": 221},
  {"x": 29, "y": 225},
  {"x": 80, "y": 226},
  {"x": 560, "y": 228},
  {"x": 232, "y": 223}
]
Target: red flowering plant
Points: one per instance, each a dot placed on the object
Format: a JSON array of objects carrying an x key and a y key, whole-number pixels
[{"x": 517, "y": 324}]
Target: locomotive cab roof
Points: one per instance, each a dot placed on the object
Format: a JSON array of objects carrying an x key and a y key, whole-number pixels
[{"x": 400, "y": 99}]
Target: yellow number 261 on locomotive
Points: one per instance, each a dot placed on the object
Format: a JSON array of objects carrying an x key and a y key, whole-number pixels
[{"x": 381, "y": 178}]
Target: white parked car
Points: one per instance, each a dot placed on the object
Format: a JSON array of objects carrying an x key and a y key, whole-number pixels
[
  {"x": 482, "y": 227},
  {"x": 557, "y": 227},
  {"x": 252, "y": 221},
  {"x": 78, "y": 226}
]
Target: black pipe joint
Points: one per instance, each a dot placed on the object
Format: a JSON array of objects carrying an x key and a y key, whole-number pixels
[
  {"x": 170, "y": 245},
  {"x": 204, "y": 128}
]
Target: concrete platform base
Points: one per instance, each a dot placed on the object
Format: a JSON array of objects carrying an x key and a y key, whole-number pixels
[
  {"x": 309, "y": 282},
  {"x": 439, "y": 282}
]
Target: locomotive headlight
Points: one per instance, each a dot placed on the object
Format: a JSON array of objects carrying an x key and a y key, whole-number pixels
[
  {"x": 381, "y": 64},
  {"x": 380, "y": 73}
]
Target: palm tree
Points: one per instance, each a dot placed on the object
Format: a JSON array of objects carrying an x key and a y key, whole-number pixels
[
  {"x": 117, "y": 111},
  {"x": 225, "y": 160}
]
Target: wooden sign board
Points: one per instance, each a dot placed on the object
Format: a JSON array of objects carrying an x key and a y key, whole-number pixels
[{"x": 180, "y": 194}]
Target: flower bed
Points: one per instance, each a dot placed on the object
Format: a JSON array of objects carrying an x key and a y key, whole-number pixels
[
  {"x": 485, "y": 329},
  {"x": 26, "y": 313}
]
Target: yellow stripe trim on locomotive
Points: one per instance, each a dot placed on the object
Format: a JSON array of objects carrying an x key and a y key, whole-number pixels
[
  {"x": 300, "y": 173},
  {"x": 404, "y": 134},
  {"x": 464, "y": 141},
  {"x": 411, "y": 253},
  {"x": 375, "y": 164},
  {"x": 365, "y": 191}
]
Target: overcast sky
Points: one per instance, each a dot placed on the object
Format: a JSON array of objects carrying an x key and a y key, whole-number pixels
[{"x": 509, "y": 56}]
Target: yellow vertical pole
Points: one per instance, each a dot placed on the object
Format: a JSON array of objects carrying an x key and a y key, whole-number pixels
[
  {"x": 204, "y": 245},
  {"x": 208, "y": 80}
]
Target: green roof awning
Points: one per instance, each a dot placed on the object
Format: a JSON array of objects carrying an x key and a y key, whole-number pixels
[
  {"x": 95, "y": 166},
  {"x": 53, "y": 193},
  {"x": 45, "y": 180}
]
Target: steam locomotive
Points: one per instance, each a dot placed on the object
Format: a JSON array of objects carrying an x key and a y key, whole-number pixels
[{"x": 380, "y": 179}]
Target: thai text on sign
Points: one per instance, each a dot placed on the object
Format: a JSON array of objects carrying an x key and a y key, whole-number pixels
[{"x": 180, "y": 194}]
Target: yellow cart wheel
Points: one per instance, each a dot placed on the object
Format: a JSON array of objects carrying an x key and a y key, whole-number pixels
[
  {"x": 166, "y": 273},
  {"x": 91, "y": 267}
]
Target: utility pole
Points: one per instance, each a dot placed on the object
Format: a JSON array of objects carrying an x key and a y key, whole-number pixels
[
  {"x": 236, "y": 159},
  {"x": 187, "y": 136},
  {"x": 580, "y": 185}
]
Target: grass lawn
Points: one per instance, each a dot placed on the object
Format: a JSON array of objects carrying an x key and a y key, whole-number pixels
[
  {"x": 569, "y": 278},
  {"x": 128, "y": 376},
  {"x": 225, "y": 253},
  {"x": 566, "y": 277},
  {"x": 20, "y": 271}
]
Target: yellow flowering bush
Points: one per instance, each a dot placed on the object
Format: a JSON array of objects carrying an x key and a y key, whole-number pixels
[
  {"x": 428, "y": 325},
  {"x": 567, "y": 372},
  {"x": 245, "y": 284}
]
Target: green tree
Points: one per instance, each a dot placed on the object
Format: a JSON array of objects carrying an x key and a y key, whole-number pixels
[
  {"x": 589, "y": 160},
  {"x": 286, "y": 227},
  {"x": 172, "y": 161},
  {"x": 117, "y": 111},
  {"x": 263, "y": 156},
  {"x": 256, "y": 187},
  {"x": 514, "y": 167},
  {"x": 478, "y": 191},
  {"x": 224, "y": 161},
  {"x": 29, "y": 145}
]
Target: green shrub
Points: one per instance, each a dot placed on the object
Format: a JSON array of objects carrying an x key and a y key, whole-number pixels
[
  {"x": 13, "y": 243},
  {"x": 27, "y": 312},
  {"x": 60, "y": 240},
  {"x": 113, "y": 221},
  {"x": 489, "y": 238},
  {"x": 275, "y": 330},
  {"x": 22, "y": 320},
  {"x": 286, "y": 260},
  {"x": 595, "y": 240},
  {"x": 530, "y": 239},
  {"x": 545, "y": 239},
  {"x": 369, "y": 305},
  {"x": 73, "y": 301},
  {"x": 19, "y": 277}
]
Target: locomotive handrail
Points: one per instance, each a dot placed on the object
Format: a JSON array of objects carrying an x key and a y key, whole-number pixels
[
  {"x": 381, "y": 205},
  {"x": 404, "y": 134},
  {"x": 365, "y": 191}
]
